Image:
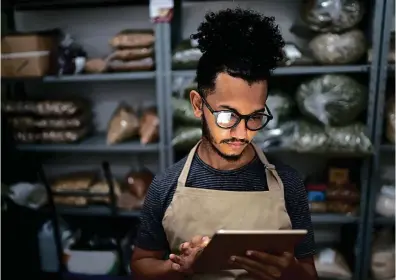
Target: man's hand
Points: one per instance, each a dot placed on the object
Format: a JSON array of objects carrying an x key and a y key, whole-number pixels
[
  {"x": 265, "y": 266},
  {"x": 188, "y": 253}
]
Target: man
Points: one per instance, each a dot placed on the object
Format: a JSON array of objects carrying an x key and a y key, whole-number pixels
[{"x": 226, "y": 182}]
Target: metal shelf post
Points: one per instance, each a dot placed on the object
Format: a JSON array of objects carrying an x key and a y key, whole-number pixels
[{"x": 387, "y": 7}]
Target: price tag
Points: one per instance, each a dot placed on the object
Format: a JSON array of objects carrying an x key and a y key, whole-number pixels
[{"x": 161, "y": 10}]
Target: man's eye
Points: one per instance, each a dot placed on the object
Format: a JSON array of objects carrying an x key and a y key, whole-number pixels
[{"x": 256, "y": 117}]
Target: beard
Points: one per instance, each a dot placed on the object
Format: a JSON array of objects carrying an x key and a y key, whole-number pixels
[{"x": 212, "y": 142}]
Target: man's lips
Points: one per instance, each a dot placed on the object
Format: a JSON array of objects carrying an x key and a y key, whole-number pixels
[{"x": 236, "y": 144}]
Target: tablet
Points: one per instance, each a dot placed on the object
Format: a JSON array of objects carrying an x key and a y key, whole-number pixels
[{"x": 227, "y": 243}]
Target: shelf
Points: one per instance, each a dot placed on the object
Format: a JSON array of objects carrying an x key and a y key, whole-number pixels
[
  {"x": 95, "y": 143},
  {"x": 100, "y": 77},
  {"x": 333, "y": 219},
  {"x": 324, "y": 153},
  {"x": 107, "y": 77},
  {"x": 384, "y": 221},
  {"x": 390, "y": 148},
  {"x": 296, "y": 70},
  {"x": 71, "y": 4},
  {"x": 103, "y": 211},
  {"x": 305, "y": 70}
]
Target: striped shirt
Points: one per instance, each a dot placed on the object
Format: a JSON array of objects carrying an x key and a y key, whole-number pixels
[{"x": 251, "y": 177}]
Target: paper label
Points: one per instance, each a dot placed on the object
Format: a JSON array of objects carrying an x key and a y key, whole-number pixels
[
  {"x": 161, "y": 10},
  {"x": 194, "y": 43},
  {"x": 327, "y": 256}
]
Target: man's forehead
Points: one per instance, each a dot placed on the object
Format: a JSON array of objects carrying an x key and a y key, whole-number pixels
[{"x": 226, "y": 84}]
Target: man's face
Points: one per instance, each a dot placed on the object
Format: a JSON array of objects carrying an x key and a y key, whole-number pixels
[{"x": 230, "y": 94}]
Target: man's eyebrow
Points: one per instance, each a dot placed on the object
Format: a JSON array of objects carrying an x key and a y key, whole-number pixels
[{"x": 235, "y": 110}]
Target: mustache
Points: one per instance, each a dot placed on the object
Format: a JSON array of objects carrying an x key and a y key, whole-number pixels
[{"x": 235, "y": 140}]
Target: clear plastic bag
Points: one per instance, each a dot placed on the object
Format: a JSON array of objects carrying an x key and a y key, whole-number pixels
[
  {"x": 45, "y": 108},
  {"x": 390, "y": 120},
  {"x": 330, "y": 263},
  {"x": 51, "y": 136},
  {"x": 305, "y": 137},
  {"x": 28, "y": 122},
  {"x": 95, "y": 65},
  {"x": 132, "y": 54},
  {"x": 186, "y": 55},
  {"x": 309, "y": 137},
  {"x": 123, "y": 125},
  {"x": 133, "y": 39},
  {"x": 383, "y": 255},
  {"x": 345, "y": 48},
  {"x": 280, "y": 105},
  {"x": 186, "y": 137},
  {"x": 143, "y": 64},
  {"x": 183, "y": 112},
  {"x": 149, "y": 126},
  {"x": 385, "y": 205},
  {"x": 138, "y": 182},
  {"x": 295, "y": 56},
  {"x": 332, "y": 99},
  {"x": 71, "y": 56},
  {"x": 332, "y": 15},
  {"x": 349, "y": 139}
]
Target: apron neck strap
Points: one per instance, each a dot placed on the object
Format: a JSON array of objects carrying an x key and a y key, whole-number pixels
[
  {"x": 274, "y": 182},
  {"x": 186, "y": 169}
]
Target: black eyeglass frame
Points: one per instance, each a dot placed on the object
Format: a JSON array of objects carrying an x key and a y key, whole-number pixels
[{"x": 240, "y": 116}]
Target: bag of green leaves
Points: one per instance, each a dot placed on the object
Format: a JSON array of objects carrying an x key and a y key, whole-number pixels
[
  {"x": 332, "y": 99},
  {"x": 183, "y": 112}
]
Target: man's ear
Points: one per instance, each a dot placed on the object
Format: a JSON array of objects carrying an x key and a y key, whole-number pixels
[{"x": 196, "y": 103}]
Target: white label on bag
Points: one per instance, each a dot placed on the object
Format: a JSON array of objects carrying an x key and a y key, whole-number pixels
[
  {"x": 161, "y": 10},
  {"x": 327, "y": 256},
  {"x": 194, "y": 43}
]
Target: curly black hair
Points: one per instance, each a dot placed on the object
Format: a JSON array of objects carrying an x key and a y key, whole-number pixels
[{"x": 239, "y": 42}]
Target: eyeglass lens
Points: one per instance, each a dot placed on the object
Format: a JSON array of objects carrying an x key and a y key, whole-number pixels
[{"x": 226, "y": 119}]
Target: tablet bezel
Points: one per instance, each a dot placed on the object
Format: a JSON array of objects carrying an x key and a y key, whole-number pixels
[{"x": 226, "y": 243}]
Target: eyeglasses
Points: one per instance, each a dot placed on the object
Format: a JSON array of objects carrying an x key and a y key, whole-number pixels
[{"x": 228, "y": 119}]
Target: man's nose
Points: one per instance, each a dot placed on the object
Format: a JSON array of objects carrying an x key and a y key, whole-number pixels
[{"x": 240, "y": 131}]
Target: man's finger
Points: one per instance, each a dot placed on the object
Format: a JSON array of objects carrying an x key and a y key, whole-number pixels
[
  {"x": 184, "y": 246},
  {"x": 282, "y": 261},
  {"x": 253, "y": 265},
  {"x": 265, "y": 257},
  {"x": 175, "y": 259},
  {"x": 205, "y": 241},
  {"x": 176, "y": 267},
  {"x": 196, "y": 240}
]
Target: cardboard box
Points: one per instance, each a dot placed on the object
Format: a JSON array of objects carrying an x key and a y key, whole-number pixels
[{"x": 27, "y": 55}]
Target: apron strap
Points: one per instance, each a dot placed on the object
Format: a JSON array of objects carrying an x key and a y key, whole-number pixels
[
  {"x": 186, "y": 169},
  {"x": 274, "y": 182}
]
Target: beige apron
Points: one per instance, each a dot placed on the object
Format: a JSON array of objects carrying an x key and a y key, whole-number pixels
[{"x": 196, "y": 211}]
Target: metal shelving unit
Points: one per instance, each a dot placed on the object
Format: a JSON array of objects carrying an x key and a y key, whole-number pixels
[
  {"x": 97, "y": 143},
  {"x": 381, "y": 149},
  {"x": 163, "y": 77}
]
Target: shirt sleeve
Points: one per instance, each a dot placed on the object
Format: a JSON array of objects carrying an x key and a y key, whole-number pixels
[
  {"x": 298, "y": 209},
  {"x": 151, "y": 235}
]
